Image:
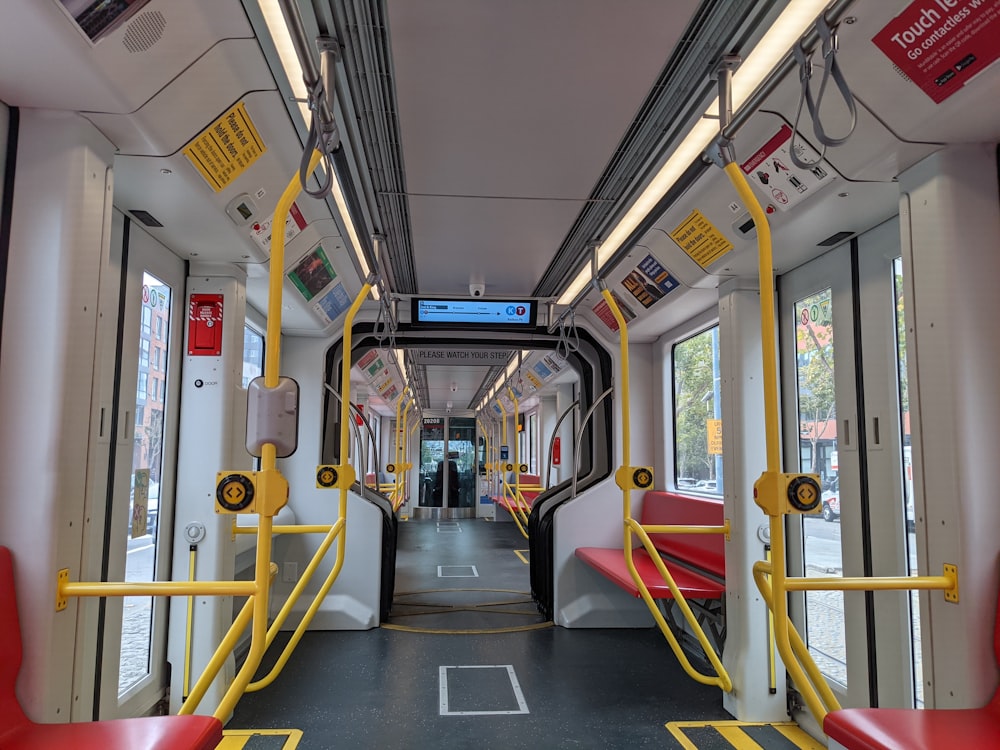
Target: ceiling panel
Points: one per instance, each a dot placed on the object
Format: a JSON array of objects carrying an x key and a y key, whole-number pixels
[
  {"x": 507, "y": 244},
  {"x": 515, "y": 100}
]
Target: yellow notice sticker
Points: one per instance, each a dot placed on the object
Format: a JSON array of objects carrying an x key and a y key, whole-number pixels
[
  {"x": 697, "y": 237},
  {"x": 714, "y": 430},
  {"x": 224, "y": 150}
]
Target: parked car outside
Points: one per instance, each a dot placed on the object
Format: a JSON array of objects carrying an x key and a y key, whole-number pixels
[{"x": 831, "y": 502}]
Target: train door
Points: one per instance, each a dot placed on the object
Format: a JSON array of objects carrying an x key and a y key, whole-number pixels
[
  {"x": 141, "y": 475},
  {"x": 843, "y": 374}
]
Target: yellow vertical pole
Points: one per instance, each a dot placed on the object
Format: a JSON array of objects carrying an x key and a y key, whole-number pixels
[
  {"x": 269, "y": 454},
  {"x": 402, "y": 440},
  {"x": 517, "y": 447},
  {"x": 771, "y": 435},
  {"x": 626, "y": 427}
]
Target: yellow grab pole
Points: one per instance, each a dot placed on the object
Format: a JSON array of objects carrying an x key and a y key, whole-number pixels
[
  {"x": 401, "y": 443},
  {"x": 296, "y": 593},
  {"x": 158, "y": 588},
  {"x": 186, "y": 687},
  {"x": 395, "y": 441},
  {"x": 626, "y": 427},
  {"x": 303, "y": 529},
  {"x": 340, "y": 527},
  {"x": 269, "y": 456},
  {"x": 517, "y": 448},
  {"x": 218, "y": 658},
  {"x": 765, "y": 271},
  {"x": 406, "y": 479},
  {"x": 631, "y": 526}
]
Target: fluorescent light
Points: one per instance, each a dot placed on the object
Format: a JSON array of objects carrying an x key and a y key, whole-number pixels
[
  {"x": 293, "y": 70},
  {"x": 286, "y": 53},
  {"x": 786, "y": 31}
]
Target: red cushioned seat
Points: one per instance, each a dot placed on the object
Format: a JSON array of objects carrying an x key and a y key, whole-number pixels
[
  {"x": 920, "y": 729},
  {"x": 17, "y": 732},
  {"x": 611, "y": 564}
]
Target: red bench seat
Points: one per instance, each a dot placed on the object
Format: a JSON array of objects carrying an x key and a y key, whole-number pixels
[
  {"x": 695, "y": 561},
  {"x": 509, "y": 505},
  {"x": 919, "y": 729},
  {"x": 611, "y": 563},
  {"x": 18, "y": 732}
]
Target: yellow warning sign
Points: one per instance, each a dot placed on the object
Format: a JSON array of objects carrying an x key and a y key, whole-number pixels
[
  {"x": 714, "y": 436},
  {"x": 224, "y": 150},
  {"x": 697, "y": 237}
]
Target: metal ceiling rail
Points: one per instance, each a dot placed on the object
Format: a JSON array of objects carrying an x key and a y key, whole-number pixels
[{"x": 753, "y": 103}]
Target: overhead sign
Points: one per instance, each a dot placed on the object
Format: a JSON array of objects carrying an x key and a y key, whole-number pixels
[
  {"x": 941, "y": 45},
  {"x": 772, "y": 171},
  {"x": 649, "y": 282},
  {"x": 699, "y": 238},
  {"x": 226, "y": 148},
  {"x": 489, "y": 357}
]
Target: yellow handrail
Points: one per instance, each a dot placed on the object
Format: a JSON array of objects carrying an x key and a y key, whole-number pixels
[
  {"x": 631, "y": 526},
  {"x": 805, "y": 674}
]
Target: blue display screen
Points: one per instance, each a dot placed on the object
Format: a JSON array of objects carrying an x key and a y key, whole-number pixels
[{"x": 473, "y": 312}]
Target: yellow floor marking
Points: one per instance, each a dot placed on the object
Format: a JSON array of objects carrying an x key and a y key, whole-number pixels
[
  {"x": 237, "y": 739},
  {"x": 794, "y": 733},
  {"x": 731, "y": 731},
  {"x": 524, "y": 559},
  {"x": 735, "y": 737}
]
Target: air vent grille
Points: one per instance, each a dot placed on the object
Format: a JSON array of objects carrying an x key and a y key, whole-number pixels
[
  {"x": 835, "y": 239},
  {"x": 145, "y": 217},
  {"x": 145, "y": 30}
]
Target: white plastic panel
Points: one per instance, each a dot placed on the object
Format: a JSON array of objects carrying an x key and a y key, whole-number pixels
[
  {"x": 172, "y": 117},
  {"x": 47, "y": 61},
  {"x": 968, "y": 116},
  {"x": 195, "y": 224}
]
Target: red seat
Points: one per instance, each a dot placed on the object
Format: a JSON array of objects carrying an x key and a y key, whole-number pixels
[
  {"x": 919, "y": 729},
  {"x": 704, "y": 552},
  {"x": 611, "y": 563},
  {"x": 18, "y": 732}
]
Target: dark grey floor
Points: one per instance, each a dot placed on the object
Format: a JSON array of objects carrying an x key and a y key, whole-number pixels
[{"x": 382, "y": 688}]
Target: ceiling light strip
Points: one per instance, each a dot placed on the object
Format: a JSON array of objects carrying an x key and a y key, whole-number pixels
[{"x": 793, "y": 23}]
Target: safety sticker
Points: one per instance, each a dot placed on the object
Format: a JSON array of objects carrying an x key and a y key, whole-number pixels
[
  {"x": 699, "y": 238},
  {"x": 603, "y": 311},
  {"x": 260, "y": 231},
  {"x": 226, "y": 148},
  {"x": 772, "y": 171},
  {"x": 941, "y": 45}
]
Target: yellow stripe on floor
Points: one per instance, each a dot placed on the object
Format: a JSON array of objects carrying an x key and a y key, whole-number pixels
[
  {"x": 732, "y": 732},
  {"x": 520, "y": 553},
  {"x": 237, "y": 739}
]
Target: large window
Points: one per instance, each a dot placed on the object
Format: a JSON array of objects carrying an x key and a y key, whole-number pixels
[{"x": 697, "y": 414}]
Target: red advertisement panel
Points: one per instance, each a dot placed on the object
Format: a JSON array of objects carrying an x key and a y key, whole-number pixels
[{"x": 941, "y": 44}]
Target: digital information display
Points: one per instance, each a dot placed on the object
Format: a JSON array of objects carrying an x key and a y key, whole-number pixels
[{"x": 473, "y": 312}]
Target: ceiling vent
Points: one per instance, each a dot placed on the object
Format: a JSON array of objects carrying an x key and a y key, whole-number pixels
[
  {"x": 835, "y": 239},
  {"x": 145, "y": 217},
  {"x": 143, "y": 31}
]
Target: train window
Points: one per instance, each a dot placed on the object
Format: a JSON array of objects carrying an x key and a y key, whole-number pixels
[
  {"x": 253, "y": 355},
  {"x": 907, "y": 459},
  {"x": 698, "y": 414}
]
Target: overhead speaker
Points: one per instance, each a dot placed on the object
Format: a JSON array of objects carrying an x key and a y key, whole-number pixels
[{"x": 143, "y": 31}]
